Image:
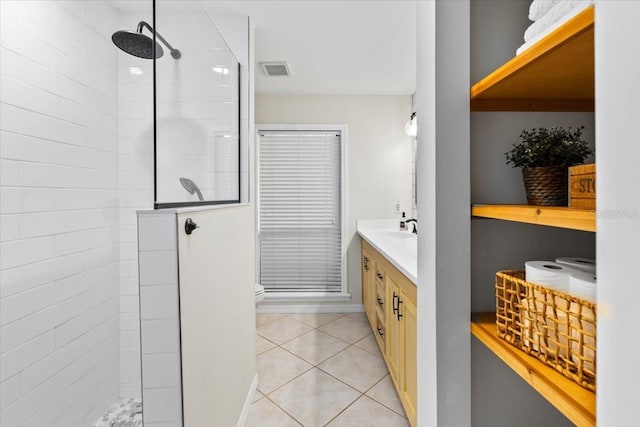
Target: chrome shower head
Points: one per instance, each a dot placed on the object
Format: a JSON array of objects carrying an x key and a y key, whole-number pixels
[
  {"x": 137, "y": 44},
  {"x": 191, "y": 187}
]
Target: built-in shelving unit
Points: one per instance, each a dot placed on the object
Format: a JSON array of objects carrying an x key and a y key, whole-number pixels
[
  {"x": 555, "y": 74},
  {"x": 553, "y": 216},
  {"x": 575, "y": 402}
]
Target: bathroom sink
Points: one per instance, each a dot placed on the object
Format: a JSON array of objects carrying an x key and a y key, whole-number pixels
[{"x": 398, "y": 234}]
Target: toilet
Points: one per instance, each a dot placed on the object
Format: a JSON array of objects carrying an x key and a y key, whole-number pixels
[{"x": 259, "y": 293}]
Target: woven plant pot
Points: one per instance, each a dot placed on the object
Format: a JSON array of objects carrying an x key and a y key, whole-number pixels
[{"x": 546, "y": 186}]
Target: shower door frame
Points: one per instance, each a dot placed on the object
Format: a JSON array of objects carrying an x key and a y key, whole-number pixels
[{"x": 168, "y": 205}]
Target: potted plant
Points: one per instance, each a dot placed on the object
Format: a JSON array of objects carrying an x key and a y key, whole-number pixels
[{"x": 545, "y": 156}]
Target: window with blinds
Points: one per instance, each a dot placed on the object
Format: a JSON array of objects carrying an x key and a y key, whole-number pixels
[{"x": 300, "y": 224}]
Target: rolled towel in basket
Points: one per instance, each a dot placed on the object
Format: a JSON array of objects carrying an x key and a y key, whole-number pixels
[{"x": 580, "y": 264}]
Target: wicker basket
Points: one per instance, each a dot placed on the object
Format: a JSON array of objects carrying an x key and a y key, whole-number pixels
[
  {"x": 555, "y": 327},
  {"x": 546, "y": 186}
]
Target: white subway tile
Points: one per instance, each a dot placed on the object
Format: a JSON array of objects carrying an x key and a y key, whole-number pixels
[
  {"x": 79, "y": 114},
  {"x": 130, "y": 373},
  {"x": 129, "y": 304},
  {"x": 83, "y": 323},
  {"x": 28, "y": 97},
  {"x": 158, "y": 268},
  {"x": 22, "y": 147},
  {"x": 78, "y": 241},
  {"x": 133, "y": 390},
  {"x": 45, "y": 127},
  {"x": 159, "y": 336},
  {"x": 9, "y": 389},
  {"x": 129, "y": 356},
  {"x": 129, "y": 286},
  {"x": 19, "y": 358},
  {"x": 10, "y": 11},
  {"x": 130, "y": 340},
  {"x": 161, "y": 370},
  {"x": 66, "y": 354},
  {"x": 159, "y": 302},
  {"x": 157, "y": 233},
  {"x": 9, "y": 119},
  {"x": 21, "y": 252},
  {"x": 25, "y": 44},
  {"x": 129, "y": 321},
  {"x": 28, "y": 404},
  {"x": 162, "y": 404}
]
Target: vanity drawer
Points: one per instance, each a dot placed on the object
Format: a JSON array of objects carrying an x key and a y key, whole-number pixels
[
  {"x": 380, "y": 275},
  {"x": 380, "y": 296}
]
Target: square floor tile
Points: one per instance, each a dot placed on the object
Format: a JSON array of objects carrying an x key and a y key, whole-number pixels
[
  {"x": 315, "y": 346},
  {"x": 262, "y": 318},
  {"x": 257, "y": 396},
  {"x": 263, "y": 345},
  {"x": 264, "y": 413},
  {"x": 385, "y": 393},
  {"x": 356, "y": 367},
  {"x": 369, "y": 344},
  {"x": 282, "y": 330},
  {"x": 368, "y": 413},
  {"x": 316, "y": 319},
  {"x": 359, "y": 315},
  {"x": 314, "y": 398},
  {"x": 348, "y": 329},
  {"x": 277, "y": 367}
]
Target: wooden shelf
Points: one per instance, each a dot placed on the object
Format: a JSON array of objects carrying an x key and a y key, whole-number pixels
[
  {"x": 555, "y": 74},
  {"x": 553, "y": 216},
  {"x": 576, "y": 403}
]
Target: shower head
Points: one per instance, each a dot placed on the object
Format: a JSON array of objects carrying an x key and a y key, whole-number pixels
[
  {"x": 191, "y": 187},
  {"x": 137, "y": 44}
]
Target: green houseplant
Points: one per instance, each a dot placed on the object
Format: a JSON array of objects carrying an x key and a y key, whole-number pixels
[{"x": 545, "y": 154}]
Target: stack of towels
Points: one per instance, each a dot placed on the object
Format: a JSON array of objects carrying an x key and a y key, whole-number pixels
[{"x": 547, "y": 15}]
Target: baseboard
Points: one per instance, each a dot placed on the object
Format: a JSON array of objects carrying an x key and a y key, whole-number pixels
[
  {"x": 265, "y": 307},
  {"x": 244, "y": 414}
]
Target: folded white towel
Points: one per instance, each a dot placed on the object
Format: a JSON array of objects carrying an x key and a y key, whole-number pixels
[
  {"x": 539, "y": 8},
  {"x": 558, "y": 14}
]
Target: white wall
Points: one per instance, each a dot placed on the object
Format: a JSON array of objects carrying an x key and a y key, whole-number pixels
[
  {"x": 618, "y": 221},
  {"x": 378, "y": 156},
  {"x": 443, "y": 211},
  {"x": 58, "y": 213}
]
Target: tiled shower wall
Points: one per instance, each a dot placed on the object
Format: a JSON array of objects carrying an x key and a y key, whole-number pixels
[
  {"x": 59, "y": 279},
  {"x": 135, "y": 143},
  {"x": 191, "y": 97}
]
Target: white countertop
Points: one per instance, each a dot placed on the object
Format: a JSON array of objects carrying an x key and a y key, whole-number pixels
[{"x": 399, "y": 247}]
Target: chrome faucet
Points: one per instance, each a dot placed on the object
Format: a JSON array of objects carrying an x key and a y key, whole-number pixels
[{"x": 414, "y": 223}]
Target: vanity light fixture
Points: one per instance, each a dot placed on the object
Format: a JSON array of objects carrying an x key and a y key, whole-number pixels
[{"x": 411, "y": 128}]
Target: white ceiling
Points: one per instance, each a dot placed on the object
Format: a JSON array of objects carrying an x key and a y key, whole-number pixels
[
  {"x": 347, "y": 47},
  {"x": 333, "y": 47}
]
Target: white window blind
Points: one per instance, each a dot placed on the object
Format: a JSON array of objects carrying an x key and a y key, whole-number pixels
[{"x": 300, "y": 211}]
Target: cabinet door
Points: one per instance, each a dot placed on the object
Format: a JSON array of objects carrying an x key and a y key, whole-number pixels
[
  {"x": 409, "y": 376},
  {"x": 368, "y": 285},
  {"x": 394, "y": 331}
]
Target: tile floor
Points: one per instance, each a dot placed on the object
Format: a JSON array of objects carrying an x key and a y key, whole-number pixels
[{"x": 321, "y": 370}]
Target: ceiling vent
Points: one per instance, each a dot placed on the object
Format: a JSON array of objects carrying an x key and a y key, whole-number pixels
[{"x": 275, "y": 69}]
